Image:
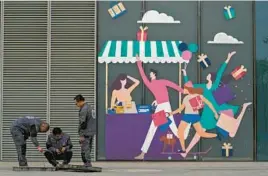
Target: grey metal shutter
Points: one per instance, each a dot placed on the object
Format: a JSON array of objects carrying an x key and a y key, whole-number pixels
[
  {"x": 72, "y": 63},
  {"x": 24, "y": 69}
]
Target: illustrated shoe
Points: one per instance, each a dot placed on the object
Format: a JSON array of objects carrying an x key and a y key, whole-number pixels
[
  {"x": 219, "y": 136},
  {"x": 181, "y": 151}
]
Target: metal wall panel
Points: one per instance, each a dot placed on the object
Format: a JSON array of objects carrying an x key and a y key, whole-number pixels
[
  {"x": 72, "y": 63},
  {"x": 24, "y": 69},
  {"x": 48, "y": 58}
]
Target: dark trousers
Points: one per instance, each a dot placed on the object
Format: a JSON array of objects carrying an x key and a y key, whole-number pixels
[
  {"x": 20, "y": 143},
  {"x": 86, "y": 147},
  {"x": 52, "y": 157}
]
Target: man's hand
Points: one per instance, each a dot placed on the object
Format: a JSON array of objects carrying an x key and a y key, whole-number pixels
[
  {"x": 154, "y": 103},
  {"x": 63, "y": 149},
  {"x": 40, "y": 149},
  {"x": 230, "y": 55},
  {"x": 184, "y": 72},
  {"x": 82, "y": 138},
  {"x": 58, "y": 151},
  {"x": 168, "y": 114}
]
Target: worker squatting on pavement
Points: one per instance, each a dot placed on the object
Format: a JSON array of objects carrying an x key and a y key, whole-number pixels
[
  {"x": 59, "y": 147},
  {"x": 23, "y": 128},
  {"x": 86, "y": 128}
]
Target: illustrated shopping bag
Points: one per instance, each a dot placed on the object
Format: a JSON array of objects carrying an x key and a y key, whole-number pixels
[
  {"x": 227, "y": 121},
  {"x": 159, "y": 118},
  {"x": 196, "y": 103},
  {"x": 223, "y": 94}
]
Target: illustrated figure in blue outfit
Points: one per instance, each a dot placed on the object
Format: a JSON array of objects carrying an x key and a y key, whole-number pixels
[{"x": 208, "y": 120}]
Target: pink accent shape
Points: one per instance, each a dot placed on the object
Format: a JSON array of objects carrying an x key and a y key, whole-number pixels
[
  {"x": 196, "y": 103},
  {"x": 186, "y": 55},
  {"x": 228, "y": 112},
  {"x": 159, "y": 118},
  {"x": 189, "y": 84}
]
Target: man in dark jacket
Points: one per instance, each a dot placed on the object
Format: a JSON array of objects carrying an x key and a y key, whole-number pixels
[
  {"x": 23, "y": 128},
  {"x": 59, "y": 147},
  {"x": 86, "y": 128}
]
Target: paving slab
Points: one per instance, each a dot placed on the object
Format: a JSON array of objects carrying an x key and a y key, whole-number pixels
[{"x": 152, "y": 168}]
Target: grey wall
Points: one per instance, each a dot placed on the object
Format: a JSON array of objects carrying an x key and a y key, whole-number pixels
[{"x": 125, "y": 28}]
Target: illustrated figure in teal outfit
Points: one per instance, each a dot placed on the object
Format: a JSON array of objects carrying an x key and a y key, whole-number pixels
[{"x": 208, "y": 120}]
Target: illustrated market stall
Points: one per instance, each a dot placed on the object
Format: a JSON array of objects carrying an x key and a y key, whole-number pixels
[{"x": 125, "y": 132}]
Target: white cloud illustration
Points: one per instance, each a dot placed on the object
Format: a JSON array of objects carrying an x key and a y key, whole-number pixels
[
  {"x": 223, "y": 38},
  {"x": 153, "y": 16}
]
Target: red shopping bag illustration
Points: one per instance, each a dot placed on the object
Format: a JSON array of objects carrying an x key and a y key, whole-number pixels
[
  {"x": 196, "y": 103},
  {"x": 159, "y": 118}
]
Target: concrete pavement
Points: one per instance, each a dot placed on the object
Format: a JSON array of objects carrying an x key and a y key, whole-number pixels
[{"x": 154, "y": 168}]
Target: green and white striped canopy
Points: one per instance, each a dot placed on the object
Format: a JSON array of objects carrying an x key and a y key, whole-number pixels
[{"x": 149, "y": 52}]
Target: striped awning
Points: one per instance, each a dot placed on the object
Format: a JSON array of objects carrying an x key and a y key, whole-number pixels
[{"x": 149, "y": 52}]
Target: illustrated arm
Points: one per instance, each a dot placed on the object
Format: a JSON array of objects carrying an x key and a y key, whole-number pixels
[
  {"x": 143, "y": 76},
  {"x": 209, "y": 104},
  {"x": 179, "y": 110},
  {"x": 219, "y": 75},
  {"x": 136, "y": 83},
  {"x": 172, "y": 85},
  {"x": 113, "y": 99}
]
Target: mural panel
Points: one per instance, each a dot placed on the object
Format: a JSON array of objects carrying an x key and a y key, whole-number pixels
[
  {"x": 228, "y": 42},
  {"x": 152, "y": 104}
]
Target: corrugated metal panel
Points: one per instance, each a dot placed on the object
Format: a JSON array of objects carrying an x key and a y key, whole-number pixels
[
  {"x": 72, "y": 63},
  {"x": 24, "y": 68},
  {"x": 1, "y": 64}
]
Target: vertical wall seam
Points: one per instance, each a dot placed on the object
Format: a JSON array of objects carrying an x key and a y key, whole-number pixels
[
  {"x": 254, "y": 82},
  {"x": 199, "y": 33},
  {"x": 48, "y": 57},
  {"x": 142, "y": 12},
  {"x": 95, "y": 71},
  {"x": 1, "y": 78}
]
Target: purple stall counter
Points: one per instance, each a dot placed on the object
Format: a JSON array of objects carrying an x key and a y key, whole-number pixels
[{"x": 125, "y": 134}]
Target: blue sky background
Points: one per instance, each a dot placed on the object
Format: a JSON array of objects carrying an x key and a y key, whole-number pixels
[{"x": 261, "y": 29}]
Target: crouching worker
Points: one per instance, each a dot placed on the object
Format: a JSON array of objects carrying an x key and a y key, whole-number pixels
[
  {"x": 23, "y": 128},
  {"x": 59, "y": 147}
]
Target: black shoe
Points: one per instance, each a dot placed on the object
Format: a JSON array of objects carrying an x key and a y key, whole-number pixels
[
  {"x": 65, "y": 163},
  {"x": 23, "y": 164}
]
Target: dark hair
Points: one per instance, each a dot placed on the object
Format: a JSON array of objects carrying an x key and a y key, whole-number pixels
[
  {"x": 56, "y": 131},
  {"x": 79, "y": 98},
  {"x": 116, "y": 85},
  {"x": 224, "y": 80},
  {"x": 153, "y": 71},
  {"x": 194, "y": 90}
]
